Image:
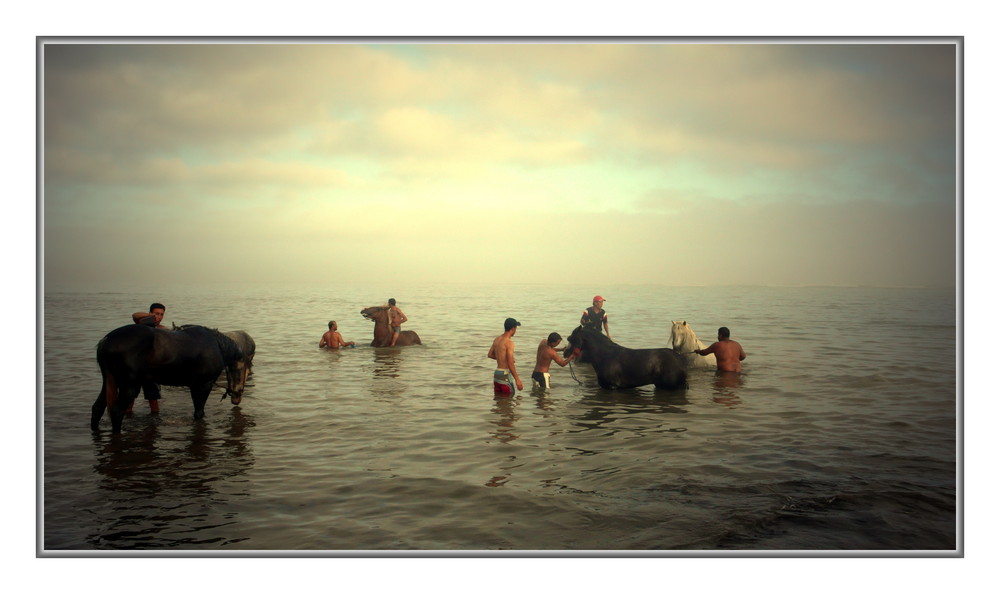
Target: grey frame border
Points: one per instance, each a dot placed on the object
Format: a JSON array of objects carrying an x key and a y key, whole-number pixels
[{"x": 958, "y": 41}]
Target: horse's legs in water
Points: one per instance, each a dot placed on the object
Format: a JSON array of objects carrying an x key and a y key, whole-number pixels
[
  {"x": 126, "y": 396},
  {"x": 199, "y": 396}
]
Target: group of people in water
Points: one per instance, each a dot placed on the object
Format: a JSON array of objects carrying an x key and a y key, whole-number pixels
[
  {"x": 506, "y": 380},
  {"x": 728, "y": 352},
  {"x": 333, "y": 340}
]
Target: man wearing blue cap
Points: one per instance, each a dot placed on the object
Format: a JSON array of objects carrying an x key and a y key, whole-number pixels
[{"x": 503, "y": 351}]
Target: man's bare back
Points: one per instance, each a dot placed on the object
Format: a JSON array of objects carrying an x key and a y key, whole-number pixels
[
  {"x": 728, "y": 354},
  {"x": 503, "y": 351}
]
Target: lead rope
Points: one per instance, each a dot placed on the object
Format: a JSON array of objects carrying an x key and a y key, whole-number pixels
[{"x": 572, "y": 372}]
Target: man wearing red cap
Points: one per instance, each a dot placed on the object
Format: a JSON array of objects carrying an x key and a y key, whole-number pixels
[{"x": 595, "y": 317}]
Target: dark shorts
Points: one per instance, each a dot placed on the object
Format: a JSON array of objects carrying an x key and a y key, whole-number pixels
[
  {"x": 540, "y": 379},
  {"x": 150, "y": 390}
]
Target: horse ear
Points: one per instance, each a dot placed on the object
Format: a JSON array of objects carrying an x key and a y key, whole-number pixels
[{"x": 685, "y": 322}]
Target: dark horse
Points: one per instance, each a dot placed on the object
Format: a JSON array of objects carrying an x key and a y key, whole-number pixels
[
  {"x": 620, "y": 367},
  {"x": 192, "y": 356},
  {"x": 383, "y": 333}
]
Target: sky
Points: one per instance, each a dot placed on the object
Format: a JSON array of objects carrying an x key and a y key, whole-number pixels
[{"x": 603, "y": 163}]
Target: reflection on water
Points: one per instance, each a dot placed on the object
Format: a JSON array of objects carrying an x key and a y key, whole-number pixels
[
  {"x": 157, "y": 471},
  {"x": 725, "y": 388},
  {"x": 506, "y": 417}
]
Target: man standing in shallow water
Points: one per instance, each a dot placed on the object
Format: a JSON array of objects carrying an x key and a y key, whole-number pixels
[
  {"x": 503, "y": 351},
  {"x": 154, "y": 318},
  {"x": 332, "y": 339},
  {"x": 546, "y": 355},
  {"x": 728, "y": 353}
]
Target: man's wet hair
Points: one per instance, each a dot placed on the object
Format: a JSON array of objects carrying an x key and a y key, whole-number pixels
[
  {"x": 392, "y": 301},
  {"x": 554, "y": 337},
  {"x": 157, "y": 306},
  {"x": 723, "y": 332},
  {"x": 331, "y": 324}
]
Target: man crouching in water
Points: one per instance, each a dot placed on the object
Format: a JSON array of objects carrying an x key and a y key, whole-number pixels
[
  {"x": 728, "y": 353},
  {"x": 546, "y": 355},
  {"x": 503, "y": 351}
]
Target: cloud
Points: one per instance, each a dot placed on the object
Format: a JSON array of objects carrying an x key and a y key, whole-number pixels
[{"x": 282, "y": 160}]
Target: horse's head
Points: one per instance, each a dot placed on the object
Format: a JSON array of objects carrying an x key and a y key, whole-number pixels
[
  {"x": 236, "y": 378},
  {"x": 682, "y": 337},
  {"x": 237, "y": 367},
  {"x": 578, "y": 342},
  {"x": 376, "y": 313}
]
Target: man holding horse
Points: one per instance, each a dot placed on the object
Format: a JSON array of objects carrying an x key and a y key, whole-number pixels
[
  {"x": 503, "y": 351},
  {"x": 728, "y": 353},
  {"x": 595, "y": 317},
  {"x": 546, "y": 355}
]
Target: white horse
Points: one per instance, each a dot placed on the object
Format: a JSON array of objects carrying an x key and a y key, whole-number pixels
[{"x": 685, "y": 342}]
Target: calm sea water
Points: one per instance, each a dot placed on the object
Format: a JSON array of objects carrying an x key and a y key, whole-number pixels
[{"x": 841, "y": 435}]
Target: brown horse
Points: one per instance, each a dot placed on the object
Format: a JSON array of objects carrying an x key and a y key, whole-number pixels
[{"x": 383, "y": 333}]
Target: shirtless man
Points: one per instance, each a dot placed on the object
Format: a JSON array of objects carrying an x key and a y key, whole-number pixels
[
  {"x": 396, "y": 319},
  {"x": 332, "y": 339},
  {"x": 503, "y": 351},
  {"x": 728, "y": 353},
  {"x": 546, "y": 355}
]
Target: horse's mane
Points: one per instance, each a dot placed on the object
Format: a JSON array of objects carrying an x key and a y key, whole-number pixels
[
  {"x": 689, "y": 340},
  {"x": 603, "y": 342},
  {"x": 231, "y": 352}
]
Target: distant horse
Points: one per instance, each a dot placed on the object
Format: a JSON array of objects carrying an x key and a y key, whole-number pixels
[
  {"x": 685, "y": 342},
  {"x": 383, "y": 333},
  {"x": 621, "y": 367},
  {"x": 193, "y": 356}
]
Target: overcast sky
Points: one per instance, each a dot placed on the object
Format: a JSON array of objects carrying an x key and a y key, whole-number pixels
[{"x": 676, "y": 164}]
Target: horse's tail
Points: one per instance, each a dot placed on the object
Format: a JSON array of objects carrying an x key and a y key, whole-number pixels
[
  {"x": 110, "y": 389},
  {"x": 110, "y": 386}
]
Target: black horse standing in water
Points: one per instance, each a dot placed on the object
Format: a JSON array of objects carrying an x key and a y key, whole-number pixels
[
  {"x": 620, "y": 367},
  {"x": 193, "y": 356}
]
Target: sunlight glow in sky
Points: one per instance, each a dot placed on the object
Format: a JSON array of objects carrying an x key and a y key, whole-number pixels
[{"x": 674, "y": 164}]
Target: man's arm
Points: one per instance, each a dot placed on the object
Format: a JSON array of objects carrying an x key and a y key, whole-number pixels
[
  {"x": 510, "y": 365},
  {"x": 402, "y": 316},
  {"x": 559, "y": 360},
  {"x": 708, "y": 351}
]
